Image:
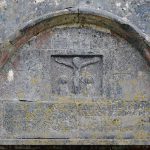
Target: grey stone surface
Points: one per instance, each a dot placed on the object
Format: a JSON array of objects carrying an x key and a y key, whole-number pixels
[
  {"x": 37, "y": 74},
  {"x": 40, "y": 120},
  {"x": 16, "y": 13},
  {"x": 136, "y": 11},
  {"x": 72, "y": 120},
  {"x": 77, "y": 76}
]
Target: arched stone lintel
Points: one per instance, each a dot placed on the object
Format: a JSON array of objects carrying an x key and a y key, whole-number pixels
[{"x": 82, "y": 17}]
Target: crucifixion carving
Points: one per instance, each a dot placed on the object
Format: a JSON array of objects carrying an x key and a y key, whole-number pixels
[{"x": 76, "y": 65}]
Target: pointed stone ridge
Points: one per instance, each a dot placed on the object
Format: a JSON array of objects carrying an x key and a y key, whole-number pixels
[{"x": 81, "y": 17}]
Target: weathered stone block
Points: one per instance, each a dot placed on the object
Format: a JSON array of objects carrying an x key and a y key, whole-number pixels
[
  {"x": 76, "y": 76},
  {"x": 24, "y": 120}
]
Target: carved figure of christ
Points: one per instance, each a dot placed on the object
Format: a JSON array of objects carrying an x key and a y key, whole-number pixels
[{"x": 76, "y": 65}]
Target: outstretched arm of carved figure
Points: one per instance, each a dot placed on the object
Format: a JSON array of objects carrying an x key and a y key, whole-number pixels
[
  {"x": 64, "y": 63},
  {"x": 93, "y": 61}
]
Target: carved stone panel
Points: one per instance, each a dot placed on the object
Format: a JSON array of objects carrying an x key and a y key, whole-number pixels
[
  {"x": 75, "y": 83},
  {"x": 79, "y": 75}
]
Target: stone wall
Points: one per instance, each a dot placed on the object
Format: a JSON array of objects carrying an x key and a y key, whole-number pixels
[
  {"x": 16, "y": 13},
  {"x": 79, "y": 74}
]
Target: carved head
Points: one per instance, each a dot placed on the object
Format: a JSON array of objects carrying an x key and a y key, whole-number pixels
[{"x": 76, "y": 61}]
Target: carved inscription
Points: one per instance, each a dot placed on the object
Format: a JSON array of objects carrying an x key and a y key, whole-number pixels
[{"x": 78, "y": 76}]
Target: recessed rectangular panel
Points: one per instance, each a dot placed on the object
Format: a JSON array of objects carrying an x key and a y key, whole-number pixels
[{"x": 76, "y": 75}]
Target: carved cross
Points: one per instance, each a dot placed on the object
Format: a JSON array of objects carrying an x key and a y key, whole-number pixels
[{"x": 76, "y": 66}]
